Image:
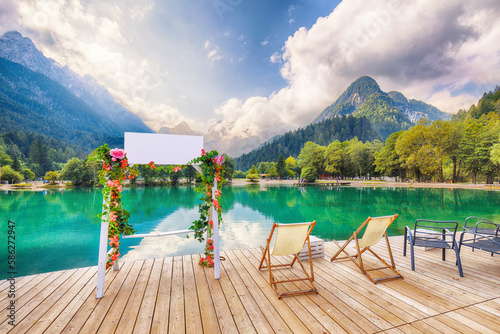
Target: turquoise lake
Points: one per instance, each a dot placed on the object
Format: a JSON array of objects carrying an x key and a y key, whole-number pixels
[{"x": 59, "y": 229}]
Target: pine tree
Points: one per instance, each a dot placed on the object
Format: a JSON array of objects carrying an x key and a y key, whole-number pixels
[{"x": 281, "y": 167}]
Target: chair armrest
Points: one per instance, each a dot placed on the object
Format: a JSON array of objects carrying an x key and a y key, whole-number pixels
[
  {"x": 496, "y": 226},
  {"x": 448, "y": 232},
  {"x": 408, "y": 234},
  {"x": 489, "y": 243},
  {"x": 472, "y": 224},
  {"x": 408, "y": 229}
]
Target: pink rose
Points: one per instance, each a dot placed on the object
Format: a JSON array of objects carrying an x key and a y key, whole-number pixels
[
  {"x": 219, "y": 160},
  {"x": 203, "y": 152},
  {"x": 215, "y": 203},
  {"x": 117, "y": 153}
]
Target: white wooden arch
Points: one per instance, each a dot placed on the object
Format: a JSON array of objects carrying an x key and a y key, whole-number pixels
[{"x": 163, "y": 149}]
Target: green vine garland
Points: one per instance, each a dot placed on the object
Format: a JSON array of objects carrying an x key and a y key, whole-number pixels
[
  {"x": 115, "y": 169},
  {"x": 212, "y": 167}
]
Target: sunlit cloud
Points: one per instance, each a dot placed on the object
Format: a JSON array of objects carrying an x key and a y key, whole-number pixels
[
  {"x": 140, "y": 12},
  {"x": 213, "y": 53},
  {"x": 412, "y": 47},
  {"x": 444, "y": 53}
]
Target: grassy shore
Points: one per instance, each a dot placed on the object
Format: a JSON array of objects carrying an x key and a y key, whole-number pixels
[
  {"x": 353, "y": 183},
  {"x": 377, "y": 183}
]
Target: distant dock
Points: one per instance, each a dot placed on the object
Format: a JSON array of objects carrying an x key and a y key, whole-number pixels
[{"x": 340, "y": 183}]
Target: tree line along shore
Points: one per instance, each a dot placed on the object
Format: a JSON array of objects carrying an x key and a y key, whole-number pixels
[{"x": 465, "y": 149}]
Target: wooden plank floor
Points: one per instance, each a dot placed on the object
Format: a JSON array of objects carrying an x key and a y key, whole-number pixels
[{"x": 175, "y": 295}]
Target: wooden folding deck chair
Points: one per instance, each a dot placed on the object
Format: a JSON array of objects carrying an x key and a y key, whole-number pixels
[
  {"x": 375, "y": 228},
  {"x": 290, "y": 239}
]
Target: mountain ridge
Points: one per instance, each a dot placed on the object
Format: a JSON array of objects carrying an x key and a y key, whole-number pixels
[
  {"x": 21, "y": 50},
  {"x": 32, "y": 102},
  {"x": 182, "y": 128},
  {"x": 363, "y": 110},
  {"x": 390, "y": 112}
]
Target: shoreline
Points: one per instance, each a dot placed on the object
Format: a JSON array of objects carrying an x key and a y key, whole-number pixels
[
  {"x": 377, "y": 183},
  {"x": 39, "y": 186}
]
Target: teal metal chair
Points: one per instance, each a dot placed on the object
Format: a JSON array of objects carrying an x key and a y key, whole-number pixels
[{"x": 433, "y": 234}]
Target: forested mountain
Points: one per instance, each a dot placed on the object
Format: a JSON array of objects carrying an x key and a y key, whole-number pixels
[
  {"x": 388, "y": 112},
  {"x": 21, "y": 50},
  {"x": 490, "y": 102},
  {"x": 34, "y": 103},
  {"x": 48, "y": 114},
  {"x": 323, "y": 133},
  {"x": 362, "y": 111}
]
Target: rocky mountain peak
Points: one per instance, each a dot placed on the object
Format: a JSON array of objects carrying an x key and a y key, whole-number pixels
[
  {"x": 21, "y": 50},
  {"x": 182, "y": 128}
]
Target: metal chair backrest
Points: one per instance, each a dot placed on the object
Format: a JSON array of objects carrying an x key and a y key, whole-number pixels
[
  {"x": 432, "y": 233},
  {"x": 481, "y": 225}
]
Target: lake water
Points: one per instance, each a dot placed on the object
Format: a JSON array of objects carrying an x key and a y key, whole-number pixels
[{"x": 59, "y": 229}]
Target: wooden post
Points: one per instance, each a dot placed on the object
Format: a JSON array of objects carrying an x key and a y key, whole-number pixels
[
  {"x": 103, "y": 255},
  {"x": 215, "y": 218}
]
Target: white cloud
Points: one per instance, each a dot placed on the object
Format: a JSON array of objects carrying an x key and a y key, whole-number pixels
[
  {"x": 139, "y": 12},
  {"x": 154, "y": 115},
  {"x": 412, "y": 47},
  {"x": 275, "y": 58},
  {"x": 213, "y": 53},
  {"x": 264, "y": 42},
  {"x": 291, "y": 9},
  {"x": 75, "y": 36},
  {"x": 9, "y": 17},
  {"x": 429, "y": 50},
  {"x": 88, "y": 37},
  {"x": 445, "y": 101}
]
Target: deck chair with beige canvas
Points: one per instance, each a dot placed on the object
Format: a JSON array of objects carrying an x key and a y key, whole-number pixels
[
  {"x": 290, "y": 239},
  {"x": 374, "y": 229}
]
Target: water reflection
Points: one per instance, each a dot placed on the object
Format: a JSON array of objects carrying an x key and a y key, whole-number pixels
[{"x": 60, "y": 229}]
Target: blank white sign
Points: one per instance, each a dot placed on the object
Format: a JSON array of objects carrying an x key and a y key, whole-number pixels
[{"x": 162, "y": 149}]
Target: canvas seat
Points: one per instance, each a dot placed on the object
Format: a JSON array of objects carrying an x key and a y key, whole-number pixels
[
  {"x": 290, "y": 238},
  {"x": 374, "y": 229}
]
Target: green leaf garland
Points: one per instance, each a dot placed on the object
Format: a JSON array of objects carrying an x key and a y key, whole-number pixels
[
  {"x": 212, "y": 167},
  {"x": 115, "y": 169}
]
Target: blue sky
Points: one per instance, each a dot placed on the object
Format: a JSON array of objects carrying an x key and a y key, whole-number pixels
[{"x": 240, "y": 69}]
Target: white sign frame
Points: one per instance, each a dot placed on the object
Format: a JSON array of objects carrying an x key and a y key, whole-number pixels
[{"x": 162, "y": 149}]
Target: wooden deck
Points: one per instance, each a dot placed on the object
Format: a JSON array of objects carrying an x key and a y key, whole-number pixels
[{"x": 175, "y": 295}]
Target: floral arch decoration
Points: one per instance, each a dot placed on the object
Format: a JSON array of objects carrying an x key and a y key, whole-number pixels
[
  {"x": 116, "y": 169},
  {"x": 212, "y": 176}
]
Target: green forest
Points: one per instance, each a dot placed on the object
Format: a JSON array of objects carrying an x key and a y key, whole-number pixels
[
  {"x": 291, "y": 143},
  {"x": 29, "y": 157},
  {"x": 463, "y": 149}
]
